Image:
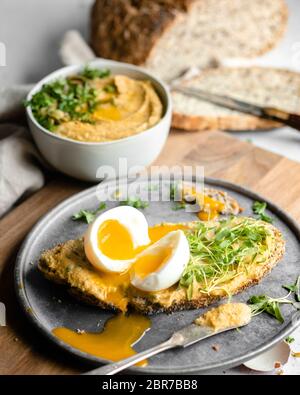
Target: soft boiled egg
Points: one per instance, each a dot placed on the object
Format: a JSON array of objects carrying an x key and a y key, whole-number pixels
[
  {"x": 118, "y": 242},
  {"x": 161, "y": 264},
  {"x": 115, "y": 238}
]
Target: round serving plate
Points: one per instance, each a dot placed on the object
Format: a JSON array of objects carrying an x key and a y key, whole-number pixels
[{"x": 49, "y": 306}]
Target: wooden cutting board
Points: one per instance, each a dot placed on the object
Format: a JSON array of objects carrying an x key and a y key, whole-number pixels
[{"x": 23, "y": 349}]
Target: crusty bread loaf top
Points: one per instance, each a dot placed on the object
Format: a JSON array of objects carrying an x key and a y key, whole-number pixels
[
  {"x": 168, "y": 36},
  {"x": 268, "y": 87},
  {"x": 126, "y": 30}
]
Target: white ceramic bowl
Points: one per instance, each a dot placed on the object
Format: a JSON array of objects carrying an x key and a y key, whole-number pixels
[{"x": 82, "y": 160}]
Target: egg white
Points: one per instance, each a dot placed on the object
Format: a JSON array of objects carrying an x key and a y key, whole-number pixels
[{"x": 170, "y": 273}]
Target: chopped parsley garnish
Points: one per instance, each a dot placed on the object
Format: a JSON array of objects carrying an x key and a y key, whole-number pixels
[
  {"x": 259, "y": 209},
  {"x": 67, "y": 99},
  {"x": 174, "y": 191},
  {"x": 134, "y": 202},
  {"x": 91, "y": 73},
  {"x": 110, "y": 88},
  {"x": 220, "y": 251},
  {"x": 88, "y": 216},
  {"x": 179, "y": 206},
  {"x": 289, "y": 340}
]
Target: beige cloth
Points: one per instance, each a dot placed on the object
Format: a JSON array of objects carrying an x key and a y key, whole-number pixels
[
  {"x": 20, "y": 163},
  {"x": 20, "y": 170}
]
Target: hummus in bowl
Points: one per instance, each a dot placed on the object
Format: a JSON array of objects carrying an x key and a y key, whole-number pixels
[
  {"x": 84, "y": 120},
  {"x": 96, "y": 106}
]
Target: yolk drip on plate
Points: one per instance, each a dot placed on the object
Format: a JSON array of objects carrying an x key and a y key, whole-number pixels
[
  {"x": 209, "y": 208},
  {"x": 115, "y": 342}
]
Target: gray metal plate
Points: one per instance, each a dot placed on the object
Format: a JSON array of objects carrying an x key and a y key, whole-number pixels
[{"x": 39, "y": 297}]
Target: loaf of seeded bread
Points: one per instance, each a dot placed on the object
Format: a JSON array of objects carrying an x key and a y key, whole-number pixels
[
  {"x": 258, "y": 85},
  {"x": 168, "y": 36}
]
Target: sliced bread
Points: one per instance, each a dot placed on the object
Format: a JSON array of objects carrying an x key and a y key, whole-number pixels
[
  {"x": 258, "y": 85},
  {"x": 169, "y": 36},
  {"x": 67, "y": 264}
]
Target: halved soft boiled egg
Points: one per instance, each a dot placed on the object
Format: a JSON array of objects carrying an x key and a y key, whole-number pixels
[
  {"x": 118, "y": 241},
  {"x": 161, "y": 264},
  {"x": 115, "y": 238}
]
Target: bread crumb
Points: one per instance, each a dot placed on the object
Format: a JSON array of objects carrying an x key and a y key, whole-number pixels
[
  {"x": 80, "y": 331},
  {"x": 277, "y": 365},
  {"x": 216, "y": 347},
  {"x": 56, "y": 299}
]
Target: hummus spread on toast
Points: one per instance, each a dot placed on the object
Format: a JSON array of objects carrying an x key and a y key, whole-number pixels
[{"x": 253, "y": 247}]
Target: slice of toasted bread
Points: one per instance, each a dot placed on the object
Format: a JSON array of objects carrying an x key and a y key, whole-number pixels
[
  {"x": 231, "y": 205},
  {"x": 67, "y": 264},
  {"x": 267, "y": 87}
]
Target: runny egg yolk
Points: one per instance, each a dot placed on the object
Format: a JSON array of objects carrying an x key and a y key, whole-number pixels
[
  {"x": 148, "y": 264},
  {"x": 115, "y": 342},
  {"x": 115, "y": 241},
  {"x": 157, "y": 232},
  {"x": 211, "y": 208}
]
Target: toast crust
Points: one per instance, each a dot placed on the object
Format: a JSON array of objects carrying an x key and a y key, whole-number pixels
[
  {"x": 171, "y": 300},
  {"x": 232, "y": 123}
]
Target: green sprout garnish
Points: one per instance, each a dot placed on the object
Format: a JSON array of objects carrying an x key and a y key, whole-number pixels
[
  {"x": 221, "y": 251},
  {"x": 259, "y": 209},
  {"x": 271, "y": 306},
  {"x": 266, "y": 304},
  {"x": 294, "y": 288}
]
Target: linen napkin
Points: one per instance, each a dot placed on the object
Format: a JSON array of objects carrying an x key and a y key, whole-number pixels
[
  {"x": 21, "y": 166},
  {"x": 20, "y": 173}
]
